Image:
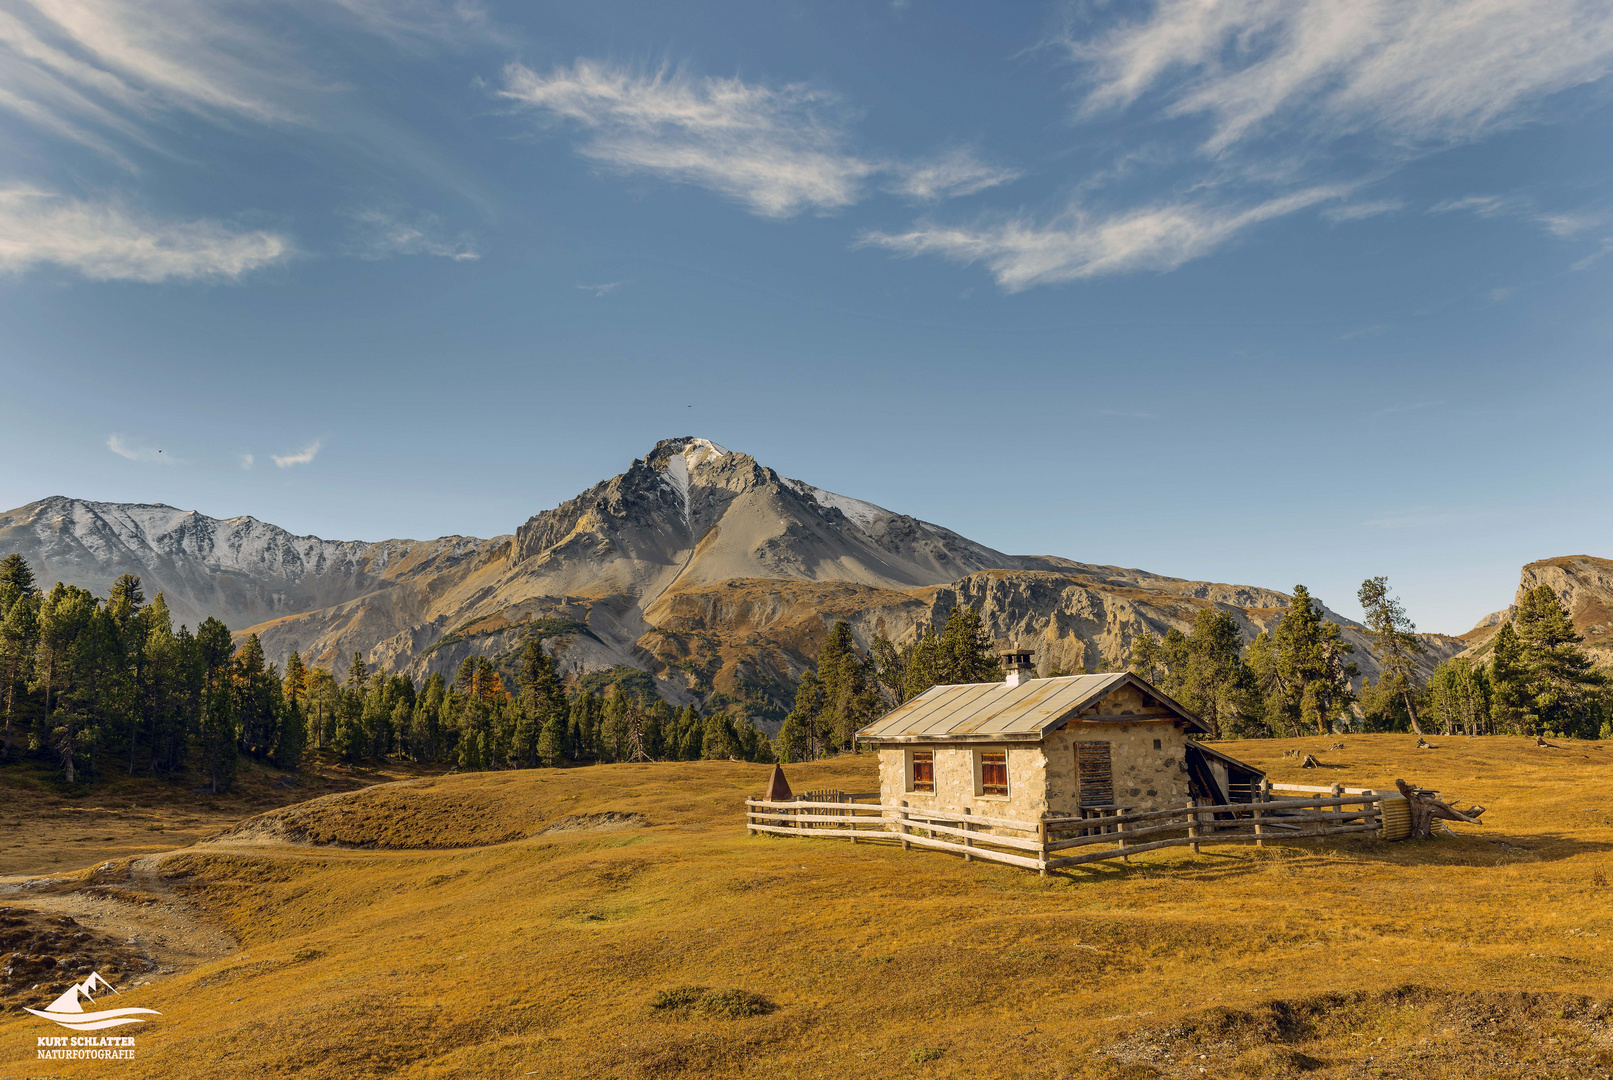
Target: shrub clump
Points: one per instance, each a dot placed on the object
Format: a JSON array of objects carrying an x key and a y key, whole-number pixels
[{"x": 723, "y": 1004}]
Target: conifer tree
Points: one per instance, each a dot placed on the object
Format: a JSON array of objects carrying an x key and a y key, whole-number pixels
[
  {"x": 1302, "y": 668},
  {"x": 296, "y": 685},
  {"x": 16, "y": 573},
  {"x": 1560, "y": 677},
  {"x": 254, "y": 688},
  {"x": 19, "y": 640},
  {"x": 542, "y": 706},
  {"x": 217, "y": 732},
  {"x": 719, "y": 743},
  {"x": 1509, "y": 682}
]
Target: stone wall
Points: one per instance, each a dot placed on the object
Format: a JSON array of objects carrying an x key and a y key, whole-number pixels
[
  {"x": 955, "y": 780},
  {"x": 1144, "y": 778}
]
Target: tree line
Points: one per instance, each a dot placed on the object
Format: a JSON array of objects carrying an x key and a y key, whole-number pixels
[
  {"x": 1299, "y": 676},
  {"x": 93, "y": 684}
]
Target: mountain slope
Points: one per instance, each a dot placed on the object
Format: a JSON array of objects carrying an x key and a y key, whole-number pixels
[
  {"x": 700, "y": 565},
  {"x": 239, "y": 570}
]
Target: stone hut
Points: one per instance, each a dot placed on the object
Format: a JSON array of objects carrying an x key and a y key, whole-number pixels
[{"x": 1080, "y": 745}]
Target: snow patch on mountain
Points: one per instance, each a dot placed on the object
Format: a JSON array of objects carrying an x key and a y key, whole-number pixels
[{"x": 862, "y": 514}]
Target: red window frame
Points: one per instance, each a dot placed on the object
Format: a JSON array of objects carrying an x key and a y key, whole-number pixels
[{"x": 924, "y": 770}]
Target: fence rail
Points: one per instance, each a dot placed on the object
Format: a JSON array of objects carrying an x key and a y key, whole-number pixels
[{"x": 1037, "y": 845}]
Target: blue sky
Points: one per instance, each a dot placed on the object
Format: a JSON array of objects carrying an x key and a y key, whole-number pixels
[{"x": 1262, "y": 291}]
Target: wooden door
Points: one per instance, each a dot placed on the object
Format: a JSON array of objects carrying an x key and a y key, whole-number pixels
[{"x": 1094, "y": 779}]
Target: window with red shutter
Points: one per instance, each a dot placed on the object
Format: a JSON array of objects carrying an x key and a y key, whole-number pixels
[
  {"x": 994, "y": 772},
  {"x": 923, "y": 770}
]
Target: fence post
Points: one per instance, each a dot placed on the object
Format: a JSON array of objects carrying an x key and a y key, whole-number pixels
[
  {"x": 1041, "y": 834},
  {"x": 901, "y": 818},
  {"x": 1193, "y": 823},
  {"x": 750, "y": 817},
  {"x": 1120, "y": 835},
  {"x": 1260, "y": 830},
  {"x": 968, "y": 841}
]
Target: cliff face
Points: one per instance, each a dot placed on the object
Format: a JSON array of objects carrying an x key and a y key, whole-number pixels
[
  {"x": 1584, "y": 585},
  {"x": 700, "y": 565}
]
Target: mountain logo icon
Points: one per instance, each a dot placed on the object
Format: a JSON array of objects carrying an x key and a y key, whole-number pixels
[{"x": 68, "y": 1009}]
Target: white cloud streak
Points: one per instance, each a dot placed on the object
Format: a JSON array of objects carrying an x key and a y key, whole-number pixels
[
  {"x": 90, "y": 70},
  {"x": 247, "y": 461},
  {"x": 1409, "y": 71},
  {"x": 300, "y": 457},
  {"x": 956, "y": 174},
  {"x": 1080, "y": 244},
  {"x": 137, "y": 451},
  {"x": 603, "y": 289},
  {"x": 1565, "y": 225},
  {"x": 382, "y": 235},
  {"x": 778, "y": 151},
  {"x": 104, "y": 241},
  {"x": 1362, "y": 210}
]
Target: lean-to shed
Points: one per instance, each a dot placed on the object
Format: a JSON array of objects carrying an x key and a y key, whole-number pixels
[{"x": 1077, "y": 745}]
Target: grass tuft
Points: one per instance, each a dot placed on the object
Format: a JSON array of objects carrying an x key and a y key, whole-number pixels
[{"x": 720, "y": 1004}]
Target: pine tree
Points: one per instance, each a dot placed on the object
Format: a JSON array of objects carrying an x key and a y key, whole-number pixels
[
  {"x": 19, "y": 641},
  {"x": 540, "y": 732},
  {"x": 1301, "y": 667},
  {"x": 217, "y": 731},
  {"x": 16, "y": 573},
  {"x": 296, "y": 684},
  {"x": 1509, "y": 682},
  {"x": 719, "y": 742},
  {"x": 1561, "y": 679},
  {"x": 254, "y": 688},
  {"x": 960, "y": 653}
]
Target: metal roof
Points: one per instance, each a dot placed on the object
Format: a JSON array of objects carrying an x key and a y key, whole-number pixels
[{"x": 985, "y": 710}]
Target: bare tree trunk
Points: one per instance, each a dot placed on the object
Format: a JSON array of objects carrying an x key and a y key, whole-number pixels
[{"x": 1405, "y": 693}]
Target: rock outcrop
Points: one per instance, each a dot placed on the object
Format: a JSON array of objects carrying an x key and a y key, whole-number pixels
[{"x": 1584, "y": 585}]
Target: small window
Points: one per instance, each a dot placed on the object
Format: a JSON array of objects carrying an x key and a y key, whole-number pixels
[
  {"x": 994, "y": 772},
  {"x": 1157, "y": 745},
  {"x": 924, "y": 770}
]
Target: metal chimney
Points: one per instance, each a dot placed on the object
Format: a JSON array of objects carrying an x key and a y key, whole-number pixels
[{"x": 1017, "y": 663}]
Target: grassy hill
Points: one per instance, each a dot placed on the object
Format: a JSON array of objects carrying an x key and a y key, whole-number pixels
[{"x": 549, "y": 923}]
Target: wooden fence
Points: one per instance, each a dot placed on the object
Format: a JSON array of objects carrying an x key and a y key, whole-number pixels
[{"x": 1057, "y": 840}]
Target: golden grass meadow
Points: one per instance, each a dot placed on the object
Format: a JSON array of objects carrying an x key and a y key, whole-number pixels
[{"x": 617, "y": 920}]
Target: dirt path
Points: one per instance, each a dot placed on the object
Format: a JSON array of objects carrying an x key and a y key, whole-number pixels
[{"x": 142, "y": 912}]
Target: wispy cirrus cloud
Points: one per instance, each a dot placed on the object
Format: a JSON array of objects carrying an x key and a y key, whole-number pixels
[
  {"x": 106, "y": 241},
  {"x": 960, "y": 172},
  {"x": 602, "y": 289},
  {"x": 1565, "y": 225},
  {"x": 1412, "y": 72},
  {"x": 1362, "y": 210},
  {"x": 778, "y": 150},
  {"x": 137, "y": 450},
  {"x": 1397, "y": 77},
  {"x": 304, "y": 456},
  {"x": 1080, "y": 243},
  {"x": 379, "y": 234},
  {"x": 102, "y": 71}
]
